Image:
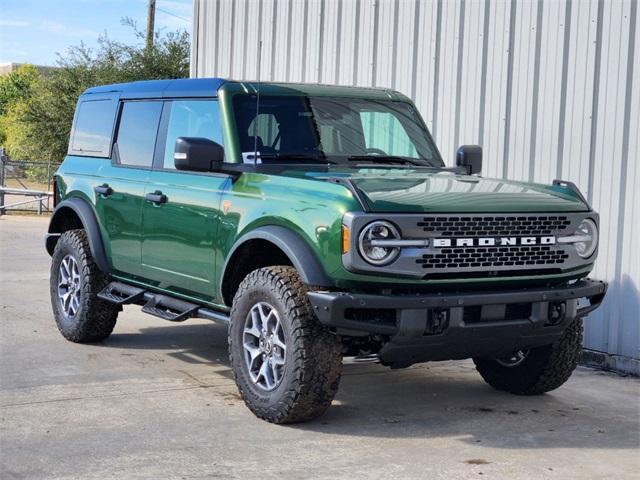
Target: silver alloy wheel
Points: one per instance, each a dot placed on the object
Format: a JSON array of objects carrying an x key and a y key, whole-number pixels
[
  {"x": 264, "y": 346},
  {"x": 513, "y": 359},
  {"x": 69, "y": 286}
]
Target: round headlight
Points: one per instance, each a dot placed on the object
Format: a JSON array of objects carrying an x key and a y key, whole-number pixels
[
  {"x": 586, "y": 238},
  {"x": 371, "y": 242}
]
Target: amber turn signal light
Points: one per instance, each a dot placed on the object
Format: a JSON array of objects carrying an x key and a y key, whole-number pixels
[{"x": 345, "y": 239}]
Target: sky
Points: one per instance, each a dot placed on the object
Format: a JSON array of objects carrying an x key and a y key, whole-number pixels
[{"x": 34, "y": 31}]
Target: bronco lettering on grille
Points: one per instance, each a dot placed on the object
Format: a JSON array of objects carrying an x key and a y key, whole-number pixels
[{"x": 492, "y": 241}]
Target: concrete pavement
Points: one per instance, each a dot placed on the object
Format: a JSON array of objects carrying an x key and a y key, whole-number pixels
[{"x": 156, "y": 400}]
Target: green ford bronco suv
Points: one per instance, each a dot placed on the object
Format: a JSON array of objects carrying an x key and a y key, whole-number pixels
[{"x": 317, "y": 222}]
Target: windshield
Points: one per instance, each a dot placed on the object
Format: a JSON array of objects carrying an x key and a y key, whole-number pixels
[{"x": 341, "y": 130}]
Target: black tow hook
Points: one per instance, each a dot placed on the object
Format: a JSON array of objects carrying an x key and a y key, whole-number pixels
[
  {"x": 437, "y": 321},
  {"x": 557, "y": 313}
]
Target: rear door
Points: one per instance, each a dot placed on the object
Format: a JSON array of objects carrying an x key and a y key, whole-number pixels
[
  {"x": 120, "y": 193},
  {"x": 182, "y": 210}
]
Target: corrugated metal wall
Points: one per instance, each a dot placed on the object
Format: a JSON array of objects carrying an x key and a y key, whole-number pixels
[{"x": 550, "y": 89}]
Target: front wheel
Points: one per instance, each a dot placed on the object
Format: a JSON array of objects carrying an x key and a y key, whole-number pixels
[
  {"x": 536, "y": 370},
  {"x": 286, "y": 364}
]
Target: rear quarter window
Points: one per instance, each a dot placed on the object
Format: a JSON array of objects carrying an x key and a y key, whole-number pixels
[
  {"x": 137, "y": 132},
  {"x": 91, "y": 136}
]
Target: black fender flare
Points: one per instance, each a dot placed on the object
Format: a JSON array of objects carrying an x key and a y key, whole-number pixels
[
  {"x": 294, "y": 247},
  {"x": 87, "y": 217}
]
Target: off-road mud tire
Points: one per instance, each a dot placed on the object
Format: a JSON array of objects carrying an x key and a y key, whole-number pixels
[
  {"x": 544, "y": 368},
  {"x": 95, "y": 318},
  {"x": 313, "y": 359}
]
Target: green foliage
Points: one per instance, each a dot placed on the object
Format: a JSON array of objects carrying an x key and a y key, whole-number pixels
[
  {"x": 17, "y": 85},
  {"x": 38, "y": 126},
  {"x": 16, "y": 88},
  {"x": 14, "y": 131}
]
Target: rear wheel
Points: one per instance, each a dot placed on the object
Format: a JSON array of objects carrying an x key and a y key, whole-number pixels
[
  {"x": 537, "y": 370},
  {"x": 75, "y": 281},
  {"x": 286, "y": 364}
]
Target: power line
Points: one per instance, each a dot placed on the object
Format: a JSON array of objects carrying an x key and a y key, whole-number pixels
[{"x": 173, "y": 14}]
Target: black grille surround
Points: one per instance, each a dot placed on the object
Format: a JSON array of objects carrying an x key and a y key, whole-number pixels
[{"x": 475, "y": 259}]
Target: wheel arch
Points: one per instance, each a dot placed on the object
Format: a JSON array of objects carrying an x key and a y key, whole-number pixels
[
  {"x": 276, "y": 246},
  {"x": 77, "y": 213}
]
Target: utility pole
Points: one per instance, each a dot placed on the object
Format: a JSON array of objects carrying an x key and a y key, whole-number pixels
[{"x": 151, "y": 17}]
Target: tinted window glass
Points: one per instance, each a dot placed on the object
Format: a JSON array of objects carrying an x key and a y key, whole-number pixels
[
  {"x": 383, "y": 131},
  {"x": 340, "y": 130},
  {"x": 137, "y": 133},
  {"x": 191, "y": 118},
  {"x": 94, "y": 124},
  {"x": 265, "y": 127}
]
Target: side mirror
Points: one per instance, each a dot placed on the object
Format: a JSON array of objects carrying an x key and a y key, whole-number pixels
[
  {"x": 198, "y": 154},
  {"x": 470, "y": 157}
]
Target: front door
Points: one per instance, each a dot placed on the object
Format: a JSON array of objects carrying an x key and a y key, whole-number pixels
[
  {"x": 120, "y": 193},
  {"x": 182, "y": 209}
]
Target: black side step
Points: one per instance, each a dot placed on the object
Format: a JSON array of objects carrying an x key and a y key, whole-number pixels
[
  {"x": 169, "y": 308},
  {"x": 121, "y": 293},
  {"x": 219, "y": 317}
]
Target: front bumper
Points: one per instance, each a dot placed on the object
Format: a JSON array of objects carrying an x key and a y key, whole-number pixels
[{"x": 436, "y": 326}]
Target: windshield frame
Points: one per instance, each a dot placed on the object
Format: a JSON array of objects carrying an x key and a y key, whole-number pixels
[{"x": 436, "y": 162}]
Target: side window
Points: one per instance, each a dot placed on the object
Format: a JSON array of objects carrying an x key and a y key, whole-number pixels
[
  {"x": 191, "y": 118},
  {"x": 137, "y": 132},
  {"x": 383, "y": 131},
  {"x": 92, "y": 131}
]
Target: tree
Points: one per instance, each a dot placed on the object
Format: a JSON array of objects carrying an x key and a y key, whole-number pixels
[
  {"x": 17, "y": 85},
  {"x": 40, "y": 128},
  {"x": 16, "y": 88}
]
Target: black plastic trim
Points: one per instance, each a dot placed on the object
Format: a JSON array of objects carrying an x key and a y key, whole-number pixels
[
  {"x": 574, "y": 188},
  {"x": 330, "y": 306},
  {"x": 294, "y": 247},
  {"x": 87, "y": 217},
  {"x": 357, "y": 193},
  {"x": 414, "y": 339}
]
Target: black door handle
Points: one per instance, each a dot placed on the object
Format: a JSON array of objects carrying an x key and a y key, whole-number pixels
[
  {"x": 156, "y": 197},
  {"x": 103, "y": 189}
]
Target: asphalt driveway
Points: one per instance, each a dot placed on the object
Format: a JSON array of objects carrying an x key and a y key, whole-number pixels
[{"x": 156, "y": 400}]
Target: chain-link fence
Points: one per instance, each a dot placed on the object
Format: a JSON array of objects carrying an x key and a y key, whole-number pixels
[{"x": 25, "y": 185}]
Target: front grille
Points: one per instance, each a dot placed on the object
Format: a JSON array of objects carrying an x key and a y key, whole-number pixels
[
  {"x": 464, "y": 257},
  {"x": 495, "y": 225}
]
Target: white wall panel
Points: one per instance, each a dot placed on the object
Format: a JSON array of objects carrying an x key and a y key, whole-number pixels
[
  {"x": 549, "y": 88},
  {"x": 492, "y": 134}
]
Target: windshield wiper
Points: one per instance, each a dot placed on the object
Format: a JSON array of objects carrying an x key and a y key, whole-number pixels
[
  {"x": 295, "y": 157},
  {"x": 386, "y": 159}
]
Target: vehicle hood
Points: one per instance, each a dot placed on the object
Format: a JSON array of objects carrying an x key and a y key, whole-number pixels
[{"x": 412, "y": 190}]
